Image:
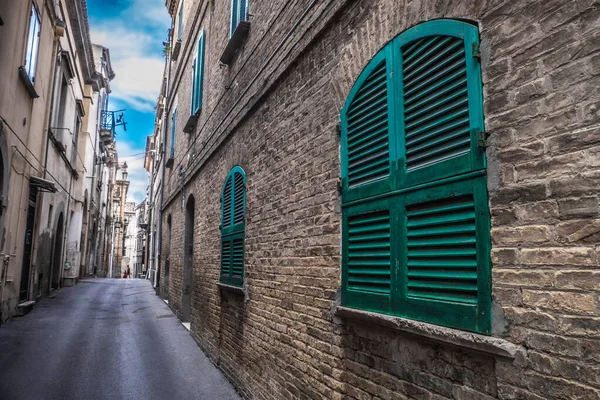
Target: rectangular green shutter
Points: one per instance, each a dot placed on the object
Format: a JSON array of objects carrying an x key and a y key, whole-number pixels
[
  {"x": 368, "y": 232},
  {"x": 445, "y": 256},
  {"x": 198, "y": 78},
  {"x": 225, "y": 259}
]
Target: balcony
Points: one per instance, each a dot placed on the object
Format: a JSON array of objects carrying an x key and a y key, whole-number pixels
[{"x": 107, "y": 127}]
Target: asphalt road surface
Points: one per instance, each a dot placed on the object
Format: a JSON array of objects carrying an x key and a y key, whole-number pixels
[{"x": 105, "y": 339}]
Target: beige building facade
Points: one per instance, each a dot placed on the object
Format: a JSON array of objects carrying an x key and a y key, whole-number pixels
[{"x": 52, "y": 99}]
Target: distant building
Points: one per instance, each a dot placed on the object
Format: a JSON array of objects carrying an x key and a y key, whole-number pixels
[
  {"x": 129, "y": 239},
  {"x": 140, "y": 247},
  {"x": 54, "y": 90}
]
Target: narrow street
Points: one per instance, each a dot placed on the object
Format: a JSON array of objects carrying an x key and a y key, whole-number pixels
[{"x": 105, "y": 339}]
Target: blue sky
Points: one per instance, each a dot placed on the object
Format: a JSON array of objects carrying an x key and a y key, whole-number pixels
[{"x": 133, "y": 31}]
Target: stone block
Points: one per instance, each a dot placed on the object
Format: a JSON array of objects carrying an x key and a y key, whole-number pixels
[
  {"x": 581, "y": 280},
  {"x": 518, "y": 194},
  {"x": 526, "y": 278},
  {"x": 521, "y": 153},
  {"x": 504, "y": 257},
  {"x": 573, "y": 256},
  {"x": 539, "y": 211},
  {"x": 566, "y": 302},
  {"x": 521, "y": 234},
  {"x": 587, "y": 206},
  {"x": 573, "y": 141}
]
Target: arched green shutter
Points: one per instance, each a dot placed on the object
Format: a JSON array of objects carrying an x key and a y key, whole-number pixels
[
  {"x": 415, "y": 226},
  {"x": 441, "y": 101},
  {"x": 233, "y": 227},
  {"x": 367, "y": 150}
]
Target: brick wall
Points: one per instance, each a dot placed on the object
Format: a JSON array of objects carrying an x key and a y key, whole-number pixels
[{"x": 278, "y": 120}]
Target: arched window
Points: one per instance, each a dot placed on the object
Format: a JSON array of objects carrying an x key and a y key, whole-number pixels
[
  {"x": 233, "y": 227},
  {"x": 416, "y": 221}
]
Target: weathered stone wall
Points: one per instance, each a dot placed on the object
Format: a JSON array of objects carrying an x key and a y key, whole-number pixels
[{"x": 275, "y": 111}]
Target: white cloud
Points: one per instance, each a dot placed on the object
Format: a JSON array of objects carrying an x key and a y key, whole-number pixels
[
  {"x": 134, "y": 38},
  {"x": 135, "y": 46},
  {"x": 137, "y": 175}
]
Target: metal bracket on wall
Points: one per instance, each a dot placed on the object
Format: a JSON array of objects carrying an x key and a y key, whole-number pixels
[
  {"x": 482, "y": 139},
  {"x": 476, "y": 50}
]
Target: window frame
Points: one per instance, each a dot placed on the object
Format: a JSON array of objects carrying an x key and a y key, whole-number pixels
[
  {"x": 33, "y": 43},
  {"x": 180, "y": 21},
  {"x": 198, "y": 75},
  {"x": 401, "y": 187},
  {"x": 230, "y": 230},
  {"x": 237, "y": 15}
]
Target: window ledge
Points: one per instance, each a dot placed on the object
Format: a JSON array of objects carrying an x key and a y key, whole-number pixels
[
  {"x": 235, "y": 42},
  {"x": 28, "y": 84},
  {"x": 466, "y": 340},
  {"x": 176, "y": 48},
  {"x": 190, "y": 125},
  {"x": 233, "y": 289}
]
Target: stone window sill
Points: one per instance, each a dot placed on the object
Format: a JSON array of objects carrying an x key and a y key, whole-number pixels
[
  {"x": 465, "y": 340},
  {"x": 232, "y": 289},
  {"x": 28, "y": 83},
  {"x": 235, "y": 42}
]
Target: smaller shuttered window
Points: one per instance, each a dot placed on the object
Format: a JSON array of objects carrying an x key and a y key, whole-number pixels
[
  {"x": 239, "y": 12},
  {"x": 173, "y": 133},
  {"x": 233, "y": 227},
  {"x": 198, "y": 75}
]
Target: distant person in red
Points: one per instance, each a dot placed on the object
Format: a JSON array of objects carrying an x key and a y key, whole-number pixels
[{"x": 124, "y": 274}]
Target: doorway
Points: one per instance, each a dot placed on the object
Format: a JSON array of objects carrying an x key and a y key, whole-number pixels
[
  {"x": 28, "y": 244},
  {"x": 57, "y": 253},
  {"x": 188, "y": 260}
]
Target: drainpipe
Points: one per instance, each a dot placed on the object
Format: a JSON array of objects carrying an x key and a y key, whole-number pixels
[
  {"x": 151, "y": 234},
  {"x": 112, "y": 248}
]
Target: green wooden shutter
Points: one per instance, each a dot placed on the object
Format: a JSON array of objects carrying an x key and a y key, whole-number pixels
[
  {"x": 367, "y": 151},
  {"x": 227, "y": 200},
  {"x": 198, "y": 68},
  {"x": 233, "y": 200},
  {"x": 415, "y": 226},
  {"x": 440, "y": 111},
  {"x": 446, "y": 255},
  {"x": 225, "y": 260},
  {"x": 239, "y": 12},
  {"x": 234, "y": 16},
  {"x": 367, "y": 254}
]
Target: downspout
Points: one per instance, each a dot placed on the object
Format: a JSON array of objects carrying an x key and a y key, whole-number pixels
[
  {"x": 151, "y": 234},
  {"x": 163, "y": 151}
]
